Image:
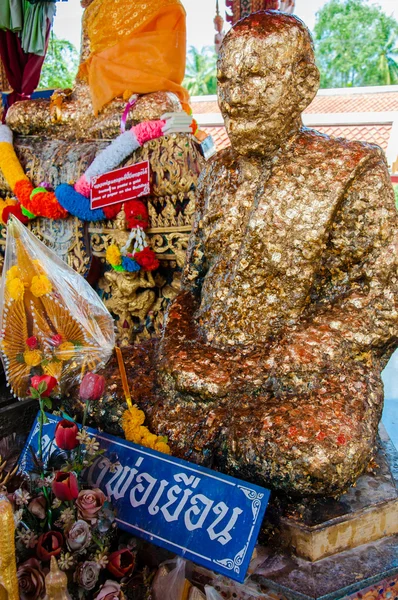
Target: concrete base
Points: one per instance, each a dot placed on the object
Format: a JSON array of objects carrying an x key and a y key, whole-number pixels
[
  {"x": 333, "y": 548},
  {"x": 314, "y": 529},
  {"x": 331, "y": 578}
]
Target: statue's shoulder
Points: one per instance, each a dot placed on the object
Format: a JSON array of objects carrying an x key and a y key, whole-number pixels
[
  {"x": 335, "y": 152},
  {"x": 218, "y": 167}
]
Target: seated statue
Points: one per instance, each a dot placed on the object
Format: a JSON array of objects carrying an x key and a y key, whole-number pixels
[
  {"x": 271, "y": 355},
  {"x": 114, "y": 38}
]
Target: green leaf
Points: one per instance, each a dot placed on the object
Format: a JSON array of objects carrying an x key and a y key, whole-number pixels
[
  {"x": 45, "y": 420},
  {"x": 34, "y": 393},
  {"x": 20, "y": 358},
  {"x": 47, "y": 403},
  {"x": 41, "y": 388}
]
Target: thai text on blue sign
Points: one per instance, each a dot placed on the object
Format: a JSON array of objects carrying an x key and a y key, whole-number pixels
[{"x": 202, "y": 515}]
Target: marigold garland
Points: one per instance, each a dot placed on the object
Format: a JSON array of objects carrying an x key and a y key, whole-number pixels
[
  {"x": 136, "y": 432},
  {"x": 39, "y": 202}
]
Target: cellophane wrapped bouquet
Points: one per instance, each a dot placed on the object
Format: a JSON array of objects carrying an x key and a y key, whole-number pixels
[{"x": 52, "y": 322}]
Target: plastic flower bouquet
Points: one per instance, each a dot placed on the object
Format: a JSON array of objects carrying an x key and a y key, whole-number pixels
[
  {"x": 52, "y": 322},
  {"x": 59, "y": 516}
]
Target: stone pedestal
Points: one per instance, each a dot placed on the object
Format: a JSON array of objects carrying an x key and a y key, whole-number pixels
[{"x": 333, "y": 548}]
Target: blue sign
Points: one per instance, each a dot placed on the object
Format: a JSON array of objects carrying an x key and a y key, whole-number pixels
[{"x": 202, "y": 515}]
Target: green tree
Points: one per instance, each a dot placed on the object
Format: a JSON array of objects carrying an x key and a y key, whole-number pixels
[
  {"x": 356, "y": 44},
  {"x": 200, "y": 74},
  {"x": 60, "y": 65}
]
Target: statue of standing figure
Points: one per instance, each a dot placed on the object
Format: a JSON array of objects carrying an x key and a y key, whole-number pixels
[{"x": 271, "y": 355}]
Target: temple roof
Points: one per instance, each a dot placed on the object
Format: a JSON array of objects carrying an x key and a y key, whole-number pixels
[{"x": 368, "y": 114}]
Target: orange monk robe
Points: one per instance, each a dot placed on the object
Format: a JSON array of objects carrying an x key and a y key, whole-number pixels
[{"x": 135, "y": 45}]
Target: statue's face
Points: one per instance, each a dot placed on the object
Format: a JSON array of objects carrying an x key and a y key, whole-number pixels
[{"x": 261, "y": 92}]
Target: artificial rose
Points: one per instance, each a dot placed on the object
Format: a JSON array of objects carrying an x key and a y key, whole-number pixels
[
  {"x": 32, "y": 342},
  {"x": 147, "y": 259},
  {"x": 136, "y": 214},
  {"x": 50, "y": 382},
  {"x": 86, "y": 574},
  {"x": 38, "y": 507},
  {"x": 121, "y": 562},
  {"x": 89, "y": 503},
  {"x": 49, "y": 544},
  {"x": 110, "y": 591},
  {"x": 65, "y": 486},
  {"x": 92, "y": 387},
  {"x": 78, "y": 537},
  {"x": 66, "y": 435},
  {"x": 31, "y": 580}
]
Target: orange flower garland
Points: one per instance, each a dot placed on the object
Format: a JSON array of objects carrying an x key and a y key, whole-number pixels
[{"x": 40, "y": 204}]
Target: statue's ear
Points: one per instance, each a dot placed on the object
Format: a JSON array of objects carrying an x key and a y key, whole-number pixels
[{"x": 306, "y": 79}]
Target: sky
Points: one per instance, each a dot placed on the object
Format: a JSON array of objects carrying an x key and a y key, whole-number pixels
[{"x": 200, "y": 15}]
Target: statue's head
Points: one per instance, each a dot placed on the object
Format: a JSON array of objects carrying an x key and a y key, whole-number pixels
[{"x": 267, "y": 76}]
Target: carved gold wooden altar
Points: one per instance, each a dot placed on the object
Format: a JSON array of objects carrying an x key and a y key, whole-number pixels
[{"x": 137, "y": 300}]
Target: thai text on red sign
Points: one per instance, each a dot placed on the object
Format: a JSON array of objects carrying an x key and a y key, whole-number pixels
[{"x": 120, "y": 185}]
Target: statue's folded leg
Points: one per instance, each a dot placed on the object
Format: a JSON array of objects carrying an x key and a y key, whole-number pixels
[{"x": 311, "y": 442}]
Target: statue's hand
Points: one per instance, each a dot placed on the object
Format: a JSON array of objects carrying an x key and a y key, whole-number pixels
[{"x": 187, "y": 363}]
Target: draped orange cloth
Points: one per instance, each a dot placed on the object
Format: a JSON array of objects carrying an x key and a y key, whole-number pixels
[{"x": 135, "y": 45}]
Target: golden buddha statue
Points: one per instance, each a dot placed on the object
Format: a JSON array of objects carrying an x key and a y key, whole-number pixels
[
  {"x": 271, "y": 355},
  {"x": 115, "y": 35}
]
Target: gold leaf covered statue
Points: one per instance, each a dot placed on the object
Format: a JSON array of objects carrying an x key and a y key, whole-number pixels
[
  {"x": 271, "y": 356},
  {"x": 52, "y": 321}
]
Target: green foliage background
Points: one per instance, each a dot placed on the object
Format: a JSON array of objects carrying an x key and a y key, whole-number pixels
[
  {"x": 60, "y": 65},
  {"x": 200, "y": 74},
  {"x": 356, "y": 44}
]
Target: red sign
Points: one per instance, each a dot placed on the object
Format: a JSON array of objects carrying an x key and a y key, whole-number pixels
[{"x": 121, "y": 185}]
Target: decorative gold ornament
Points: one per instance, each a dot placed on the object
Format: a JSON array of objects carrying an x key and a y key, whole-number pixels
[
  {"x": 56, "y": 583},
  {"x": 8, "y": 565}
]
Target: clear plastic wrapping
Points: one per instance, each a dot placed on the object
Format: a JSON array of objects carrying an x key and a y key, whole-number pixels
[{"x": 52, "y": 322}]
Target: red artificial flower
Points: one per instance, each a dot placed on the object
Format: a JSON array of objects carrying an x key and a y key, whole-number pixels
[
  {"x": 15, "y": 210},
  {"x": 92, "y": 387},
  {"x": 50, "y": 381},
  {"x": 147, "y": 259},
  {"x": 65, "y": 486},
  {"x": 56, "y": 340},
  {"x": 66, "y": 435},
  {"x": 111, "y": 211},
  {"x": 136, "y": 214},
  {"x": 49, "y": 544},
  {"x": 121, "y": 562},
  {"x": 32, "y": 342}
]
